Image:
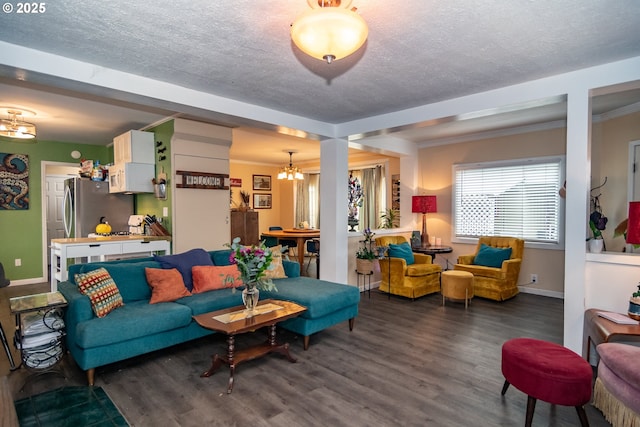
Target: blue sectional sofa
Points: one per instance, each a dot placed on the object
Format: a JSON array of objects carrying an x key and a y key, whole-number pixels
[{"x": 139, "y": 327}]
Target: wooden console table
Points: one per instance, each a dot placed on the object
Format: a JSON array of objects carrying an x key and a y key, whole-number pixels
[{"x": 598, "y": 330}]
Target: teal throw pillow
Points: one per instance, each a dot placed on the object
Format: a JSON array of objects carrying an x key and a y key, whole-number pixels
[
  {"x": 403, "y": 250},
  {"x": 489, "y": 256}
]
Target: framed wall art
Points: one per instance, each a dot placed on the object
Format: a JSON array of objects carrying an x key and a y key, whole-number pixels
[
  {"x": 262, "y": 182},
  {"x": 14, "y": 181},
  {"x": 261, "y": 201}
]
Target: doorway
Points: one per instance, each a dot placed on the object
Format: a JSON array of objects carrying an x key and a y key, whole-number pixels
[{"x": 53, "y": 176}]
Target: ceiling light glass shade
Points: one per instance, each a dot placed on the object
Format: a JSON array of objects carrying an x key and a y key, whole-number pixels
[
  {"x": 329, "y": 33},
  {"x": 14, "y": 127}
]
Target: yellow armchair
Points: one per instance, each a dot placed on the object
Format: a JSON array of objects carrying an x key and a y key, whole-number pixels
[
  {"x": 495, "y": 283},
  {"x": 411, "y": 281}
]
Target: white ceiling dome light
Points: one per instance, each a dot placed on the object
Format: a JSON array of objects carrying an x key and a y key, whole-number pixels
[{"x": 329, "y": 31}]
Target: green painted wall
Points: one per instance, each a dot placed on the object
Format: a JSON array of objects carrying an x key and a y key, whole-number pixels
[
  {"x": 147, "y": 204},
  {"x": 21, "y": 231}
]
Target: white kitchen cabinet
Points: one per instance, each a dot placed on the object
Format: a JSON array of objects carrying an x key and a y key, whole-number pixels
[
  {"x": 131, "y": 178},
  {"x": 134, "y": 146}
]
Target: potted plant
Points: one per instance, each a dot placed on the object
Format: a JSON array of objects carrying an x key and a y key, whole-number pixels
[
  {"x": 597, "y": 223},
  {"x": 246, "y": 197},
  {"x": 365, "y": 253},
  {"x": 634, "y": 305},
  {"x": 390, "y": 218}
]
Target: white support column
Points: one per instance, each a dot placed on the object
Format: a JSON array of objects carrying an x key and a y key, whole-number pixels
[
  {"x": 578, "y": 170},
  {"x": 334, "y": 174},
  {"x": 408, "y": 188}
]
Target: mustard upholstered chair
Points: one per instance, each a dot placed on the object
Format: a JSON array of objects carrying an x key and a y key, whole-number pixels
[
  {"x": 411, "y": 281},
  {"x": 497, "y": 283}
]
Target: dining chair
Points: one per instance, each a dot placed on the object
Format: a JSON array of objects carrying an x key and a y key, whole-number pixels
[
  {"x": 313, "y": 249},
  {"x": 290, "y": 244}
]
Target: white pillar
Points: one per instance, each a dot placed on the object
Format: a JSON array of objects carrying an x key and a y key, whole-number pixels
[
  {"x": 578, "y": 171},
  {"x": 408, "y": 189},
  {"x": 334, "y": 176}
]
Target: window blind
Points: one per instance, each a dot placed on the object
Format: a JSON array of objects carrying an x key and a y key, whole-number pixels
[{"x": 519, "y": 200}]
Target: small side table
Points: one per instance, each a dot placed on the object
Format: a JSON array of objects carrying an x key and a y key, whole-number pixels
[
  {"x": 366, "y": 277},
  {"x": 43, "y": 305},
  {"x": 597, "y": 330},
  {"x": 432, "y": 250}
]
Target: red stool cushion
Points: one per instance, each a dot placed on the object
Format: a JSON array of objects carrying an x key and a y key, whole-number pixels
[{"x": 547, "y": 371}]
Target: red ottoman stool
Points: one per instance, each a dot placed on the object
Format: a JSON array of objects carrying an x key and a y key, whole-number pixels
[{"x": 548, "y": 372}]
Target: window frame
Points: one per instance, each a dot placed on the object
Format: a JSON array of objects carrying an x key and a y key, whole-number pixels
[{"x": 561, "y": 159}]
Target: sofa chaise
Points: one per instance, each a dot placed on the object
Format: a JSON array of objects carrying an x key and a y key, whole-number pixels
[{"x": 138, "y": 327}]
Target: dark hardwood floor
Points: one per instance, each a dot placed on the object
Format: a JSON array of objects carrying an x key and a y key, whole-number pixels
[{"x": 406, "y": 363}]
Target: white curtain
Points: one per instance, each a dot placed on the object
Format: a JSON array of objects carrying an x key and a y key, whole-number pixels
[
  {"x": 374, "y": 197},
  {"x": 373, "y": 182},
  {"x": 308, "y": 200}
]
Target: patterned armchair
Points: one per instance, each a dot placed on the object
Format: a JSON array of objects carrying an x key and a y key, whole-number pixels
[
  {"x": 411, "y": 281},
  {"x": 492, "y": 282}
]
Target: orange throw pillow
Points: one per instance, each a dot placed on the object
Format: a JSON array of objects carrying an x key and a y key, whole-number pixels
[
  {"x": 209, "y": 278},
  {"x": 166, "y": 285}
]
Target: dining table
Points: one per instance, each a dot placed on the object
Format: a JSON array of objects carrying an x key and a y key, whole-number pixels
[{"x": 300, "y": 235}]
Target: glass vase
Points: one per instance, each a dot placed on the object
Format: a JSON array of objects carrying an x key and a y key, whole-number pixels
[{"x": 250, "y": 296}]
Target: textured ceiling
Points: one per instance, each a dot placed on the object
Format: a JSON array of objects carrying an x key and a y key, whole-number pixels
[{"x": 418, "y": 51}]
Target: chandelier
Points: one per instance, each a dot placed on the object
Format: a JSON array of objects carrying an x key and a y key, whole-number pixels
[
  {"x": 290, "y": 172},
  {"x": 15, "y": 126},
  {"x": 329, "y": 31}
]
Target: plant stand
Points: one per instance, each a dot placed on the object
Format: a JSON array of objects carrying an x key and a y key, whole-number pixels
[{"x": 366, "y": 278}]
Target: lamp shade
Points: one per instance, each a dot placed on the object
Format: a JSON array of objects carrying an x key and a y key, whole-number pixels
[
  {"x": 329, "y": 33},
  {"x": 424, "y": 204},
  {"x": 633, "y": 225}
]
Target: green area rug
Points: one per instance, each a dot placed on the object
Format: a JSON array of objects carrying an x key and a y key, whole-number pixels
[{"x": 69, "y": 406}]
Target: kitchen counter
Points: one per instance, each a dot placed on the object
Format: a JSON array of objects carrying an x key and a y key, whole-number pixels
[
  {"x": 93, "y": 249},
  {"x": 126, "y": 238}
]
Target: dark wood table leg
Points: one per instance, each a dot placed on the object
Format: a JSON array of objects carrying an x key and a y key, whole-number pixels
[
  {"x": 282, "y": 348},
  {"x": 231, "y": 346},
  {"x": 301, "y": 252},
  {"x": 234, "y": 358},
  {"x": 218, "y": 360}
]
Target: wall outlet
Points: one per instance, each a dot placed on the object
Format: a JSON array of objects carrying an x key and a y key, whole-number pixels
[
  {"x": 165, "y": 211},
  {"x": 18, "y": 262},
  {"x": 534, "y": 278}
]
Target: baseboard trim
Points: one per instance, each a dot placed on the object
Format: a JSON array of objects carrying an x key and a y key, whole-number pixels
[
  {"x": 543, "y": 292},
  {"x": 32, "y": 281}
]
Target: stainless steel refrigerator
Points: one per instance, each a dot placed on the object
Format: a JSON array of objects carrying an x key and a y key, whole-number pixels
[{"x": 86, "y": 201}]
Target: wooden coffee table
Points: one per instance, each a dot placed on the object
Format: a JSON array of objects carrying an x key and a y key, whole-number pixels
[{"x": 233, "y": 321}]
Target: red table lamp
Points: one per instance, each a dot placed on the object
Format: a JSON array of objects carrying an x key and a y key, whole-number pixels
[
  {"x": 424, "y": 205},
  {"x": 633, "y": 224}
]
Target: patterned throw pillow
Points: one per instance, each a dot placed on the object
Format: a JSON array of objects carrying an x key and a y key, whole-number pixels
[
  {"x": 101, "y": 290},
  {"x": 276, "y": 270}
]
